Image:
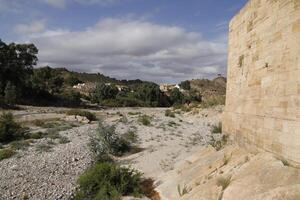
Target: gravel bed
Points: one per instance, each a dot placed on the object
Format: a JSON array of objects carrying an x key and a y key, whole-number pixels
[{"x": 47, "y": 175}]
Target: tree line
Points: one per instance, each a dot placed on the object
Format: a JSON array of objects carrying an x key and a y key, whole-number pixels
[{"x": 21, "y": 83}]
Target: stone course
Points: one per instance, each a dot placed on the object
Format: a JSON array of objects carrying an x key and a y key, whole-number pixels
[{"x": 263, "y": 88}]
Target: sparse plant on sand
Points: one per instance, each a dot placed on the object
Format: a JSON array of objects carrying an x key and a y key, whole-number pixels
[
  {"x": 182, "y": 191},
  {"x": 145, "y": 120},
  {"x": 216, "y": 128},
  {"x": 224, "y": 182},
  {"x": 169, "y": 113},
  {"x": 6, "y": 153}
]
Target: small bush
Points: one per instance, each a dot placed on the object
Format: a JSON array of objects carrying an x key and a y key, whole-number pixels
[
  {"x": 169, "y": 113},
  {"x": 108, "y": 142},
  {"x": 134, "y": 113},
  {"x": 130, "y": 136},
  {"x": 36, "y": 135},
  {"x": 107, "y": 181},
  {"x": 123, "y": 120},
  {"x": 90, "y": 116},
  {"x": 219, "y": 144},
  {"x": 145, "y": 120},
  {"x": 20, "y": 145},
  {"x": 38, "y": 122},
  {"x": 217, "y": 128},
  {"x": 44, "y": 148},
  {"x": 64, "y": 140},
  {"x": 6, "y": 153},
  {"x": 9, "y": 129}
]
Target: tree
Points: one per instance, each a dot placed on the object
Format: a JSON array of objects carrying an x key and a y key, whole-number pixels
[
  {"x": 10, "y": 94},
  {"x": 46, "y": 79},
  {"x": 16, "y": 64},
  {"x": 176, "y": 96},
  {"x": 72, "y": 80},
  {"x": 186, "y": 85},
  {"x": 151, "y": 94},
  {"x": 103, "y": 92}
]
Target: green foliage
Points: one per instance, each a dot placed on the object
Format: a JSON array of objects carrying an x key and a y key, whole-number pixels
[
  {"x": 107, "y": 181},
  {"x": 46, "y": 79},
  {"x": 17, "y": 61},
  {"x": 134, "y": 113},
  {"x": 145, "y": 120},
  {"x": 70, "y": 98},
  {"x": 6, "y": 153},
  {"x": 36, "y": 135},
  {"x": 20, "y": 144},
  {"x": 176, "y": 96},
  {"x": 10, "y": 94},
  {"x": 107, "y": 142},
  {"x": 104, "y": 92},
  {"x": 217, "y": 128},
  {"x": 186, "y": 85},
  {"x": 131, "y": 136},
  {"x": 72, "y": 80},
  {"x": 89, "y": 115},
  {"x": 151, "y": 95},
  {"x": 169, "y": 113},
  {"x": 9, "y": 129}
]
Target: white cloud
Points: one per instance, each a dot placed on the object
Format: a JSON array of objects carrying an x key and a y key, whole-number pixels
[
  {"x": 31, "y": 28},
  {"x": 133, "y": 49}
]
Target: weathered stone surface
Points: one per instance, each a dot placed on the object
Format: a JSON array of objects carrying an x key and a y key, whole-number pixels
[
  {"x": 259, "y": 176},
  {"x": 263, "y": 95}
]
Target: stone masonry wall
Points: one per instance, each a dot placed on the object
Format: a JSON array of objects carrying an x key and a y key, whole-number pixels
[{"x": 263, "y": 88}]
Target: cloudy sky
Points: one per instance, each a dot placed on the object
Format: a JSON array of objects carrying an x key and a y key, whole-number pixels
[{"x": 165, "y": 41}]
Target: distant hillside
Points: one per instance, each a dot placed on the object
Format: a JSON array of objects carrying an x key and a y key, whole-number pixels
[
  {"x": 208, "y": 88},
  {"x": 93, "y": 77}
]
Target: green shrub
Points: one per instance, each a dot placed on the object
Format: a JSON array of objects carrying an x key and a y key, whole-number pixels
[
  {"x": 90, "y": 116},
  {"x": 145, "y": 120},
  {"x": 36, "y": 135},
  {"x": 169, "y": 113},
  {"x": 123, "y": 120},
  {"x": 39, "y": 122},
  {"x": 44, "y": 147},
  {"x": 130, "y": 136},
  {"x": 134, "y": 113},
  {"x": 108, "y": 142},
  {"x": 217, "y": 128},
  {"x": 20, "y": 145},
  {"x": 6, "y": 153},
  {"x": 107, "y": 181},
  {"x": 9, "y": 129}
]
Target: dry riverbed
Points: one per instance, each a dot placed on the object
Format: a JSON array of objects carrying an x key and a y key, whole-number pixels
[{"x": 41, "y": 173}]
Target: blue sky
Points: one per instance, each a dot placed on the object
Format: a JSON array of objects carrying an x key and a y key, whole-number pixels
[{"x": 157, "y": 40}]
